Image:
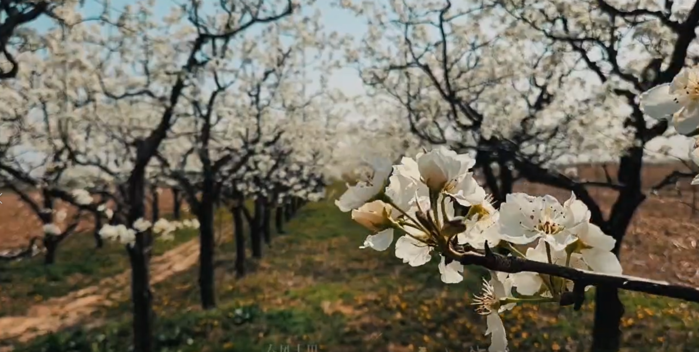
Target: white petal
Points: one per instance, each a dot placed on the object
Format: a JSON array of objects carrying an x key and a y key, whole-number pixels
[
  {"x": 380, "y": 241},
  {"x": 694, "y": 155},
  {"x": 658, "y": 103},
  {"x": 526, "y": 283},
  {"x": 602, "y": 261},
  {"x": 560, "y": 240},
  {"x": 593, "y": 236},
  {"x": 469, "y": 192},
  {"x": 451, "y": 274},
  {"x": 695, "y": 180},
  {"x": 412, "y": 251},
  {"x": 578, "y": 211},
  {"x": 498, "y": 336},
  {"x": 686, "y": 121}
]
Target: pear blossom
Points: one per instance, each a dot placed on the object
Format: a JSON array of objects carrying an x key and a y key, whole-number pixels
[
  {"x": 411, "y": 250},
  {"x": 377, "y": 217},
  {"x": 483, "y": 227},
  {"x": 52, "y": 229},
  {"x": 118, "y": 233},
  {"x": 81, "y": 196},
  {"x": 597, "y": 249},
  {"x": 404, "y": 185},
  {"x": 524, "y": 218},
  {"x": 108, "y": 232},
  {"x": 490, "y": 303},
  {"x": 529, "y": 283},
  {"x": 367, "y": 188},
  {"x": 678, "y": 99},
  {"x": 451, "y": 273},
  {"x": 443, "y": 170},
  {"x": 163, "y": 226},
  {"x": 126, "y": 236},
  {"x": 141, "y": 225}
]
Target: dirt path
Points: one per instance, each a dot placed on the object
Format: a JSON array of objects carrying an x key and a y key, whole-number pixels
[{"x": 62, "y": 312}]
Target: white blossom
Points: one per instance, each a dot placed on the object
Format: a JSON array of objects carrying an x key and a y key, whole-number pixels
[
  {"x": 368, "y": 186},
  {"x": 141, "y": 225},
  {"x": 52, "y": 229},
  {"x": 678, "y": 99}
]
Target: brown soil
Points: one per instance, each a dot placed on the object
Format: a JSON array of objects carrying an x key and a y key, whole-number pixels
[
  {"x": 18, "y": 223},
  {"x": 62, "y": 312}
]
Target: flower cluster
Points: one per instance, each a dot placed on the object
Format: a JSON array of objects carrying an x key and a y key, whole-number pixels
[
  {"x": 436, "y": 205},
  {"x": 81, "y": 196},
  {"x": 164, "y": 228},
  {"x": 678, "y": 101}
]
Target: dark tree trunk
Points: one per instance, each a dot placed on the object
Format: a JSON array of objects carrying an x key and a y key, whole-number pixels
[
  {"x": 205, "y": 214},
  {"x": 99, "y": 242},
  {"x": 239, "y": 233},
  {"x": 266, "y": 223},
  {"x": 177, "y": 203},
  {"x": 50, "y": 241},
  {"x": 608, "y": 313},
  {"x": 279, "y": 219},
  {"x": 139, "y": 256},
  {"x": 51, "y": 245},
  {"x": 155, "y": 206},
  {"x": 491, "y": 180},
  {"x": 288, "y": 211},
  {"x": 256, "y": 228},
  {"x": 608, "y": 308},
  {"x": 506, "y": 178},
  {"x": 142, "y": 300}
]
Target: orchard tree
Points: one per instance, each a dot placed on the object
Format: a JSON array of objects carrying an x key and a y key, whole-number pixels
[
  {"x": 16, "y": 36},
  {"x": 34, "y": 163}
]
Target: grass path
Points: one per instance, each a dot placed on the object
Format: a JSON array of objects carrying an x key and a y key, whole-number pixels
[
  {"x": 314, "y": 286},
  {"x": 59, "y": 313}
]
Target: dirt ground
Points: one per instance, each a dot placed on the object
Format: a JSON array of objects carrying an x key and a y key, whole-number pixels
[
  {"x": 662, "y": 243},
  {"x": 18, "y": 224}
]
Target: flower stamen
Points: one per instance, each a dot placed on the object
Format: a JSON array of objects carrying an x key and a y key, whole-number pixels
[{"x": 486, "y": 303}]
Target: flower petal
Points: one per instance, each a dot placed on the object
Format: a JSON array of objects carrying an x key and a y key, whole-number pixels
[
  {"x": 498, "y": 336},
  {"x": 380, "y": 241},
  {"x": 686, "y": 121},
  {"x": 526, "y": 283},
  {"x": 451, "y": 273},
  {"x": 592, "y": 235},
  {"x": 658, "y": 103},
  {"x": 602, "y": 261},
  {"x": 412, "y": 251}
]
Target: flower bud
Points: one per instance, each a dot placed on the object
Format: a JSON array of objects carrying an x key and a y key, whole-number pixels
[{"x": 375, "y": 216}]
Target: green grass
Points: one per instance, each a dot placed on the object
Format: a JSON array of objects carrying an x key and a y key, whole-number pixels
[
  {"x": 78, "y": 265},
  {"x": 314, "y": 286}
]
